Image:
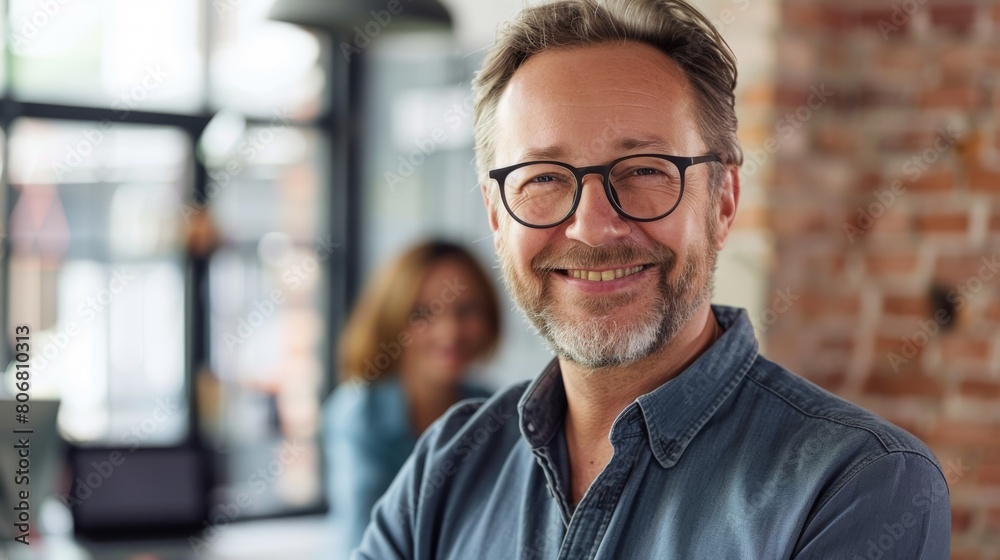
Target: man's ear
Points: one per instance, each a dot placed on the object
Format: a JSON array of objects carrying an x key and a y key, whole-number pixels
[
  {"x": 729, "y": 199},
  {"x": 491, "y": 210}
]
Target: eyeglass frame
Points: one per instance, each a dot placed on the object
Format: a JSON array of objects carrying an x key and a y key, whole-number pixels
[{"x": 682, "y": 162}]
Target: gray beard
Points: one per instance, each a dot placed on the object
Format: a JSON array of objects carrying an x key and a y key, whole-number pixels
[{"x": 608, "y": 343}]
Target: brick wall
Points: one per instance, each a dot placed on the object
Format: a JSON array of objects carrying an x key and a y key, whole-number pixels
[{"x": 884, "y": 206}]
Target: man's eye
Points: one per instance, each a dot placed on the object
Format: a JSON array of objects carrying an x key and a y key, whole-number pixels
[
  {"x": 543, "y": 179},
  {"x": 647, "y": 171}
]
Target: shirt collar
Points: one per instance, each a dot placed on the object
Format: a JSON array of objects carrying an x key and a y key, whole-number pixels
[{"x": 674, "y": 412}]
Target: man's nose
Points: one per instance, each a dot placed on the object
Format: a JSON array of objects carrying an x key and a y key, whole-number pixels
[{"x": 595, "y": 221}]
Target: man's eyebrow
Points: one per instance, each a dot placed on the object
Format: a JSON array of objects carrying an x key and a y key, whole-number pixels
[
  {"x": 623, "y": 145},
  {"x": 549, "y": 152},
  {"x": 629, "y": 144}
]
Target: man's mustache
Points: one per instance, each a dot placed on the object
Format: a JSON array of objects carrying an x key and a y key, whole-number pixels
[{"x": 578, "y": 255}]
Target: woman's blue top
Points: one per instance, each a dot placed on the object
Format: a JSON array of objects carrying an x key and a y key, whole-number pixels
[{"x": 367, "y": 437}]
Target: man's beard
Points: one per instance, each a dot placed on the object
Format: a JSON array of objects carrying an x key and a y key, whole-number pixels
[{"x": 601, "y": 342}]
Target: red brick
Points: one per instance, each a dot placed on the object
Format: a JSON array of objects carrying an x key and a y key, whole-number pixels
[
  {"x": 982, "y": 179},
  {"x": 836, "y": 140},
  {"x": 902, "y": 385},
  {"x": 891, "y": 264},
  {"x": 802, "y": 221},
  {"x": 964, "y": 348},
  {"x": 993, "y": 522},
  {"x": 789, "y": 96},
  {"x": 955, "y": 17},
  {"x": 961, "y": 519},
  {"x": 799, "y": 15},
  {"x": 832, "y": 382},
  {"x": 993, "y": 311},
  {"x": 936, "y": 180},
  {"x": 906, "y": 305},
  {"x": 950, "y": 222},
  {"x": 989, "y": 474},
  {"x": 905, "y": 59},
  {"x": 886, "y": 344},
  {"x": 957, "y": 268},
  {"x": 964, "y": 554},
  {"x": 981, "y": 389},
  {"x": 869, "y": 181},
  {"x": 822, "y": 305},
  {"x": 965, "y": 433},
  {"x": 908, "y": 141},
  {"x": 870, "y": 18},
  {"x": 961, "y": 97}
]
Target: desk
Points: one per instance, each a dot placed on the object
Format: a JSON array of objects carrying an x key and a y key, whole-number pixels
[{"x": 298, "y": 538}]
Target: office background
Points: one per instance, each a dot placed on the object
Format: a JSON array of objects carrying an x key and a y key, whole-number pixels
[{"x": 194, "y": 192}]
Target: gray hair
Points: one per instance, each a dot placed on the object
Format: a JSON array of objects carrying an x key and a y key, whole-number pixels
[{"x": 673, "y": 26}]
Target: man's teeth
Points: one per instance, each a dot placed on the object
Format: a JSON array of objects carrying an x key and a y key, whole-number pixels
[{"x": 603, "y": 276}]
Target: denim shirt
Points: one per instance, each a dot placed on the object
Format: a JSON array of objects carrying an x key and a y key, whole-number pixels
[{"x": 735, "y": 458}]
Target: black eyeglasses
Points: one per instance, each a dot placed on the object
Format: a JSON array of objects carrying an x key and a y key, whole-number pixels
[{"x": 643, "y": 188}]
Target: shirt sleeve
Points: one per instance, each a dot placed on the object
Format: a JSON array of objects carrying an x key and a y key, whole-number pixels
[{"x": 896, "y": 507}]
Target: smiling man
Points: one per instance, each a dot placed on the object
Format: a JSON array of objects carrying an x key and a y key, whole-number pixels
[{"x": 607, "y": 150}]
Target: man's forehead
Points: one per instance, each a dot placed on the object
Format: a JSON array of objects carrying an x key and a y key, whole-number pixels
[
  {"x": 651, "y": 143},
  {"x": 614, "y": 98}
]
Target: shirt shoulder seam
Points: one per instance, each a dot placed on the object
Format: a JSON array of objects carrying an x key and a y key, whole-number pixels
[
  {"x": 878, "y": 436},
  {"x": 856, "y": 469}
]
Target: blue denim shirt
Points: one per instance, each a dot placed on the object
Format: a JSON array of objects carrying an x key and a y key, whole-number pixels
[{"x": 735, "y": 458}]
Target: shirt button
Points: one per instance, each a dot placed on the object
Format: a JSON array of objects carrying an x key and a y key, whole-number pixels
[{"x": 531, "y": 426}]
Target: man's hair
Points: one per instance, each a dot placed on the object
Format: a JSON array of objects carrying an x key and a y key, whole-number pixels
[{"x": 672, "y": 26}]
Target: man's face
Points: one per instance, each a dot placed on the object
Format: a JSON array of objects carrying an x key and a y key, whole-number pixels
[{"x": 588, "y": 106}]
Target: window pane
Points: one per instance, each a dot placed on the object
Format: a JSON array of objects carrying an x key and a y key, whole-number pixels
[
  {"x": 268, "y": 331},
  {"x": 96, "y": 270},
  {"x": 118, "y": 54},
  {"x": 263, "y": 67}
]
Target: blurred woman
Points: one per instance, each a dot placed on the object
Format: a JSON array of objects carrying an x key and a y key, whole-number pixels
[{"x": 404, "y": 355}]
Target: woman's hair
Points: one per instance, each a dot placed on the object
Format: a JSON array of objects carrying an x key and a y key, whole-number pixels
[
  {"x": 373, "y": 339},
  {"x": 673, "y": 26}
]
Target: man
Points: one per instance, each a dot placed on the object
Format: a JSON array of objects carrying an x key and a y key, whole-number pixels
[{"x": 606, "y": 142}]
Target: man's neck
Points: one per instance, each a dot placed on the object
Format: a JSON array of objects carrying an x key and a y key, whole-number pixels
[{"x": 594, "y": 398}]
